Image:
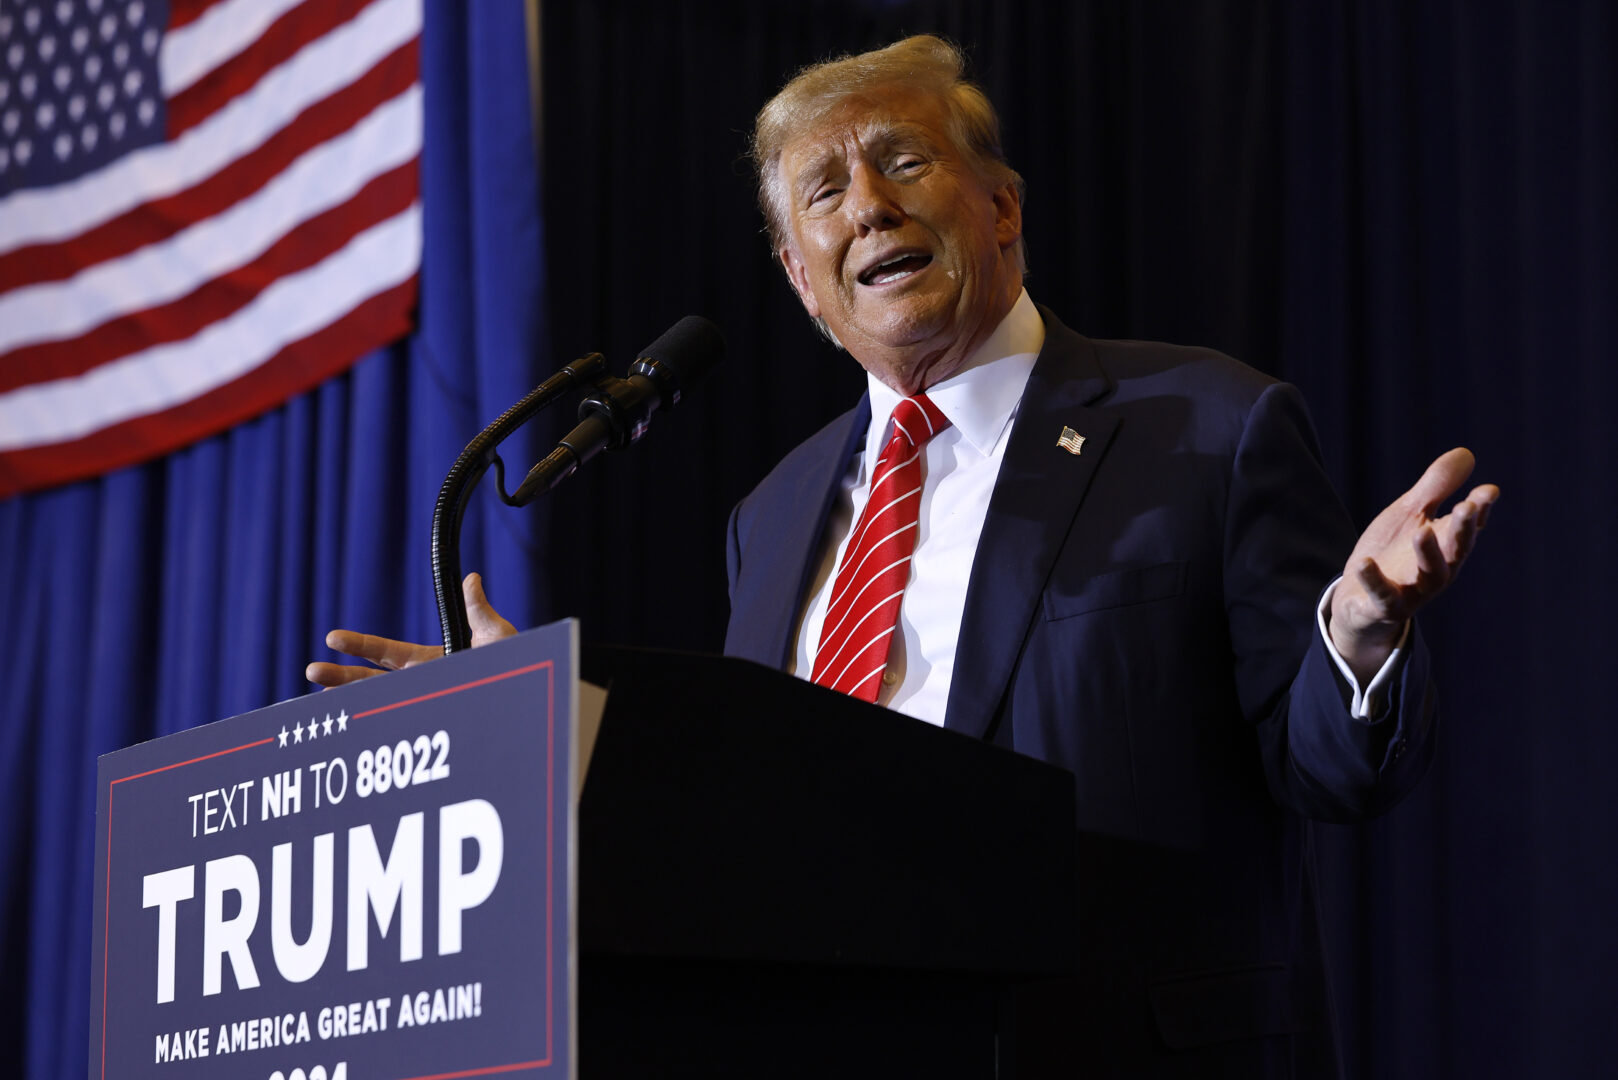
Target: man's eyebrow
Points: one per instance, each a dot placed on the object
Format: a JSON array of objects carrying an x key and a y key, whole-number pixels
[
  {"x": 877, "y": 135},
  {"x": 899, "y": 129},
  {"x": 811, "y": 170}
]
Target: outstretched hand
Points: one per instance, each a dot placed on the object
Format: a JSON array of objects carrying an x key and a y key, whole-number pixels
[
  {"x": 1405, "y": 559},
  {"x": 390, "y": 655}
]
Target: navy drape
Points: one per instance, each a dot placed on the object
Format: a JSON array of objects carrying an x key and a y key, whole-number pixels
[
  {"x": 1407, "y": 207},
  {"x": 198, "y": 586}
]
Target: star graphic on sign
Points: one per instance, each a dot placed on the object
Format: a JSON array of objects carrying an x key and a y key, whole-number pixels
[
  {"x": 342, "y": 721},
  {"x": 297, "y": 733},
  {"x": 327, "y": 731},
  {"x": 283, "y": 734},
  {"x": 314, "y": 727}
]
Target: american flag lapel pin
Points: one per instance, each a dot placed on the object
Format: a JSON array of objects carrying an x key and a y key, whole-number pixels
[{"x": 1071, "y": 441}]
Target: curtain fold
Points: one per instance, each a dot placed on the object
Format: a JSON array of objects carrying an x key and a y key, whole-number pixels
[
  {"x": 198, "y": 586},
  {"x": 1406, "y": 207}
]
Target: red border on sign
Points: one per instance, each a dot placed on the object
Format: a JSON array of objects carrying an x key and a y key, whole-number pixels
[{"x": 550, "y": 834}]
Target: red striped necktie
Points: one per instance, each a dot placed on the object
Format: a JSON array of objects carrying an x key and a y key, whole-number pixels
[{"x": 870, "y": 582}]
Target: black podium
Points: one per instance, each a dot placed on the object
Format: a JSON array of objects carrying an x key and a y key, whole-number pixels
[{"x": 776, "y": 880}]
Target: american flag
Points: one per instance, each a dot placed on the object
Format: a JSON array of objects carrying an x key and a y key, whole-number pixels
[{"x": 206, "y": 206}]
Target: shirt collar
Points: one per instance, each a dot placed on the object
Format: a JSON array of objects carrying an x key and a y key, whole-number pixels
[{"x": 980, "y": 399}]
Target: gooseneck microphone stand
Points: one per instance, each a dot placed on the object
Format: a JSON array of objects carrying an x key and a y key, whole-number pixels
[
  {"x": 612, "y": 416},
  {"x": 464, "y": 476}
]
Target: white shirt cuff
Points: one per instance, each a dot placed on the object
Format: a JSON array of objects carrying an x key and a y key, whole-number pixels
[{"x": 1368, "y": 701}]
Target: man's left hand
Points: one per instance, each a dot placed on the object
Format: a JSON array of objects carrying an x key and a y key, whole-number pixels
[{"x": 1405, "y": 559}]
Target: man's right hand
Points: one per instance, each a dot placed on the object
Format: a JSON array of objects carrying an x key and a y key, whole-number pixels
[{"x": 390, "y": 655}]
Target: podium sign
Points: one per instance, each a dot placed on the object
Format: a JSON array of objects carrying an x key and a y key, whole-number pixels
[{"x": 370, "y": 883}]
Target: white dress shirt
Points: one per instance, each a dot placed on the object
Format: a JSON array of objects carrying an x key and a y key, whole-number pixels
[{"x": 959, "y": 468}]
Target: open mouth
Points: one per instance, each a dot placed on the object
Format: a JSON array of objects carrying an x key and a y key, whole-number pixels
[{"x": 894, "y": 269}]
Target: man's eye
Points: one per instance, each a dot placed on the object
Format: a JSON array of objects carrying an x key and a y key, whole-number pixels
[
  {"x": 908, "y": 164},
  {"x": 825, "y": 193}
]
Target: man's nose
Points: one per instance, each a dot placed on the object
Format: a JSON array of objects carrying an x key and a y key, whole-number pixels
[{"x": 876, "y": 205}]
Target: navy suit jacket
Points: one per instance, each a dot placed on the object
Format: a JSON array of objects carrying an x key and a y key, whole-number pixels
[{"x": 1142, "y": 613}]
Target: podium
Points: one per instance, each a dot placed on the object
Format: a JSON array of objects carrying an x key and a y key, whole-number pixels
[
  {"x": 776, "y": 880},
  {"x": 771, "y": 880}
]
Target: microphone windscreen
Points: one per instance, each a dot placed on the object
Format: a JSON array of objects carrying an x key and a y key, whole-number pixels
[{"x": 689, "y": 350}]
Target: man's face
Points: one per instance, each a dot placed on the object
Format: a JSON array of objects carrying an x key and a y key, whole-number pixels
[{"x": 895, "y": 241}]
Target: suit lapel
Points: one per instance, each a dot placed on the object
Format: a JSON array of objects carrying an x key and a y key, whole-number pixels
[
  {"x": 1035, "y": 499},
  {"x": 798, "y": 529}
]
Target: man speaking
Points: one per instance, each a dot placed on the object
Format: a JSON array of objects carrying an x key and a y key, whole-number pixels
[{"x": 1123, "y": 558}]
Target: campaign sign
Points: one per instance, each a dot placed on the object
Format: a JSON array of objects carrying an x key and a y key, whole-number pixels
[{"x": 370, "y": 883}]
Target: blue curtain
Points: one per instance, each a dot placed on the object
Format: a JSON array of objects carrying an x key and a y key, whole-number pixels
[
  {"x": 1406, "y": 208},
  {"x": 198, "y": 586}
]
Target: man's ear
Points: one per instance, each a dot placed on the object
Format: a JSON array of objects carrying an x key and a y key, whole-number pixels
[
  {"x": 798, "y": 275},
  {"x": 1007, "y": 215}
]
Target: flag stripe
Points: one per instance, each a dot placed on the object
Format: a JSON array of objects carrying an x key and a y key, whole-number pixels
[
  {"x": 328, "y": 174},
  {"x": 320, "y": 236},
  {"x": 165, "y": 375},
  {"x": 67, "y": 210},
  {"x": 299, "y": 366},
  {"x": 185, "y": 12},
  {"x": 168, "y": 290},
  {"x": 203, "y": 37},
  {"x": 162, "y": 218},
  {"x": 278, "y": 44}
]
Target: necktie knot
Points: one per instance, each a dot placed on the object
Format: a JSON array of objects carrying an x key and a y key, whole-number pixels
[{"x": 916, "y": 419}]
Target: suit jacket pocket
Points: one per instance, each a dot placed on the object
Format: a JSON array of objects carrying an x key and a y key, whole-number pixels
[
  {"x": 1245, "y": 1003},
  {"x": 1117, "y": 588}
]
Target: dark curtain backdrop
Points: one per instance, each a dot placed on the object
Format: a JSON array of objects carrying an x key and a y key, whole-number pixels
[
  {"x": 1407, "y": 207},
  {"x": 197, "y": 587}
]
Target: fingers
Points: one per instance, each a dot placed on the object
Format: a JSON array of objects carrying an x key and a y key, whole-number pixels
[
  {"x": 329, "y": 675},
  {"x": 1392, "y": 602},
  {"x": 1407, "y": 556},
  {"x": 1460, "y": 527},
  {"x": 1384, "y": 593},
  {"x": 1442, "y": 479},
  {"x": 1483, "y": 497},
  {"x": 1432, "y": 568},
  {"x": 389, "y": 654},
  {"x": 384, "y": 652},
  {"x": 486, "y": 623},
  {"x": 1460, "y": 532}
]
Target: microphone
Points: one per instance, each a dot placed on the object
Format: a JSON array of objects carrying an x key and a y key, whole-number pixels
[{"x": 617, "y": 412}]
